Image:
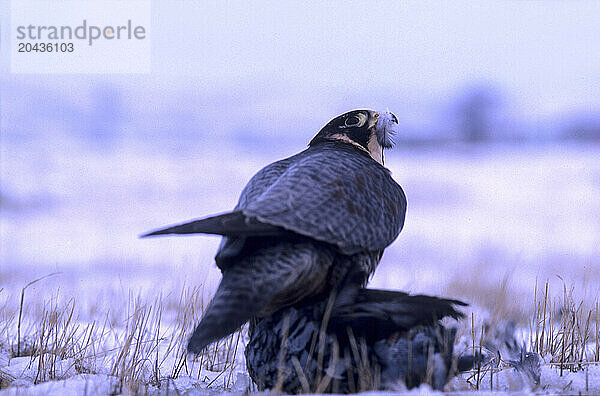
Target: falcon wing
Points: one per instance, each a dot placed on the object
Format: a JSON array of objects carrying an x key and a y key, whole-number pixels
[
  {"x": 330, "y": 192},
  {"x": 335, "y": 194},
  {"x": 235, "y": 223},
  {"x": 263, "y": 179}
]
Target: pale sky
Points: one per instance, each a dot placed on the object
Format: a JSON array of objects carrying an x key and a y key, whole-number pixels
[{"x": 543, "y": 54}]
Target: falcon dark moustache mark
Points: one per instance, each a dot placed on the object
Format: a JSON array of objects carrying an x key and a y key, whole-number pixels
[{"x": 305, "y": 226}]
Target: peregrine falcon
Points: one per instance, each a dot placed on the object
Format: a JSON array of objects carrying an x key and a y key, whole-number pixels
[{"x": 304, "y": 226}]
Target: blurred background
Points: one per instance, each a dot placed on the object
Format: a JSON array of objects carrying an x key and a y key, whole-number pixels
[{"x": 499, "y": 153}]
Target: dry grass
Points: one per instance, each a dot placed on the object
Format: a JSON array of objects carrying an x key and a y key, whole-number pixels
[
  {"x": 321, "y": 378},
  {"x": 563, "y": 331},
  {"x": 140, "y": 342},
  {"x": 136, "y": 347}
]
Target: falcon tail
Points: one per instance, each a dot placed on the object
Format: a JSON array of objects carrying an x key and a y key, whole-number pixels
[
  {"x": 233, "y": 305},
  {"x": 262, "y": 282},
  {"x": 227, "y": 224}
]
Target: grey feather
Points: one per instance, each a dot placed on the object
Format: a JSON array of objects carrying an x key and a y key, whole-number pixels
[
  {"x": 336, "y": 194},
  {"x": 260, "y": 282},
  {"x": 228, "y": 224}
]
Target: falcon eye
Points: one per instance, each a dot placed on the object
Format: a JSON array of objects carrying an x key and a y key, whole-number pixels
[{"x": 351, "y": 121}]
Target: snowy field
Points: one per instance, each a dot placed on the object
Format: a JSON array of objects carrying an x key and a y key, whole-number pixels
[{"x": 485, "y": 225}]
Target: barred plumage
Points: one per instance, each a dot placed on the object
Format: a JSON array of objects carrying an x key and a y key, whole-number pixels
[{"x": 304, "y": 226}]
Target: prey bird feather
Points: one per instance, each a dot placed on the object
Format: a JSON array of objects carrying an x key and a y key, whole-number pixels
[
  {"x": 304, "y": 226},
  {"x": 373, "y": 340}
]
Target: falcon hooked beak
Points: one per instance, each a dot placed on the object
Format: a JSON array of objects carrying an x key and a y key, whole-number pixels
[{"x": 368, "y": 130}]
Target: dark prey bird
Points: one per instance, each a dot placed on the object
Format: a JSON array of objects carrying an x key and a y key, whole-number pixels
[
  {"x": 304, "y": 225},
  {"x": 377, "y": 340}
]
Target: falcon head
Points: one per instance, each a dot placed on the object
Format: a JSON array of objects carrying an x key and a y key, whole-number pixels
[{"x": 368, "y": 130}]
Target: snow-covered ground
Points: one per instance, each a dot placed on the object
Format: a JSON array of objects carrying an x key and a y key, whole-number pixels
[{"x": 484, "y": 224}]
